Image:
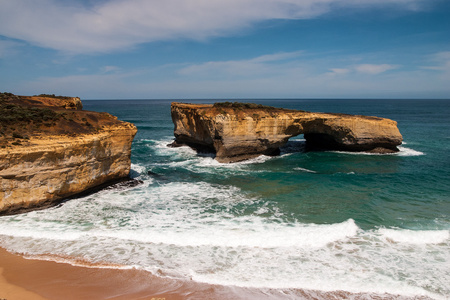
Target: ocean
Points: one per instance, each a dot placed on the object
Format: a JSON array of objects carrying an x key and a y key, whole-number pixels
[{"x": 324, "y": 221}]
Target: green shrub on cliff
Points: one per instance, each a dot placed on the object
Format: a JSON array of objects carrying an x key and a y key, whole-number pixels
[
  {"x": 242, "y": 105},
  {"x": 11, "y": 113},
  {"x": 53, "y": 96}
]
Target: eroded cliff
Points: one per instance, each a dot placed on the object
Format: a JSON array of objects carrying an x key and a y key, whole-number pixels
[
  {"x": 51, "y": 150},
  {"x": 236, "y": 132}
]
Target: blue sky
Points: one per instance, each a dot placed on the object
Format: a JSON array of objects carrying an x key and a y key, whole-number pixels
[{"x": 185, "y": 49}]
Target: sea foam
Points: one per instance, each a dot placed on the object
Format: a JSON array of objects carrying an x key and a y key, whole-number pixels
[
  {"x": 304, "y": 170},
  {"x": 207, "y": 232},
  {"x": 220, "y": 234},
  {"x": 415, "y": 236},
  {"x": 404, "y": 151}
]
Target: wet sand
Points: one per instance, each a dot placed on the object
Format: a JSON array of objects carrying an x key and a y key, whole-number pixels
[{"x": 32, "y": 279}]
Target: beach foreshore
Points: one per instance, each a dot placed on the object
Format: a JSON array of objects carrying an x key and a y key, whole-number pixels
[{"x": 34, "y": 279}]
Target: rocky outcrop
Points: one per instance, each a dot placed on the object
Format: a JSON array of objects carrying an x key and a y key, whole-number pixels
[
  {"x": 63, "y": 153},
  {"x": 238, "y": 131}
]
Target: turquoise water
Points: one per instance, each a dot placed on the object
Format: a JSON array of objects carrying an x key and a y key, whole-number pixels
[{"x": 308, "y": 220}]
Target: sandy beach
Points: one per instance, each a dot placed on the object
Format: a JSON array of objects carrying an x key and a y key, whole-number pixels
[{"x": 33, "y": 279}]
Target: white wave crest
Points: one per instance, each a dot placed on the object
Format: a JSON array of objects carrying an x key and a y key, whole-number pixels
[
  {"x": 416, "y": 237},
  {"x": 218, "y": 234},
  {"x": 404, "y": 151},
  {"x": 137, "y": 170},
  {"x": 304, "y": 170},
  {"x": 242, "y": 232}
]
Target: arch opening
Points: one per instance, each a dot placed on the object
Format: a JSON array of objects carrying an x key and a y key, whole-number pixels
[{"x": 295, "y": 144}]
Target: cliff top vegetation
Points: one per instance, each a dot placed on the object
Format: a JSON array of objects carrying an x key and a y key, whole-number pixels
[
  {"x": 22, "y": 117},
  {"x": 12, "y": 113},
  {"x": 52, "y": 96},
  {"x": 242, "y": 105}
]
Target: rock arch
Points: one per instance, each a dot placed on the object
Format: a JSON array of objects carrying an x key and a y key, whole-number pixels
[{"x": 241, "y": 131}]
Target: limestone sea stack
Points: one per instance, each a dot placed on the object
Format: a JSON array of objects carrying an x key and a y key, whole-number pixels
[
  {"x": 240, "y": 131},
  {"x": 51, "y": 149}
]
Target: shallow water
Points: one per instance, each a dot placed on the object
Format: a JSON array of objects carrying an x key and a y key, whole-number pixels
[{"x": 307, "y": 220}]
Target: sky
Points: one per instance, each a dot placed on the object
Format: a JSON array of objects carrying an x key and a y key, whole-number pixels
[{"x": 226, "y": 49}]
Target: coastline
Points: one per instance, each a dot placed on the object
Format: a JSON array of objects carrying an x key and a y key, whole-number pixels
[{"x": 33, "y": 279}]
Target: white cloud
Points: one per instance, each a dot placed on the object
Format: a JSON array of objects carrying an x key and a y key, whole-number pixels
[
  {"x": 92, "y": 86},
  {"x": 374, "y": 69},
  {"x": 441, "y": 56},
  {"x": 441, "y": 66},
  {"x": 371, "y": 69},
  {"x": 258, "y": 66},
  {"x": 118, "y": 24},
  {"x": 110, "y": 69},
  {"x": 277, "y": 57},
  {"x": 441, "y": 61},
  {"x": 268, "y": 76},
  {"x": 7, "y": 47},
  {"x": 297, "y": 79},
  {"x": 214, "y": 69},
  {"x": 339, "y": 71}
]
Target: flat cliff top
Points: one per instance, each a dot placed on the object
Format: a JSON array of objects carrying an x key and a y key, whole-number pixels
[
  {"x": 242, "y": 110},
  {"x": 28, "y": 120},
  {"x": 221, "y": 107},
  {"x": 43, "y": 100}
]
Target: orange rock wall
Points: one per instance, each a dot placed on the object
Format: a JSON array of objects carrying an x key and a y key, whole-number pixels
[
  {"x": 56, "y": 167},
  {"x": 241, "y": 133}
]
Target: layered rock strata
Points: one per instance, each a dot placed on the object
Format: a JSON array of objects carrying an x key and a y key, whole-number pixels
[
  {"x": 236, "y": 132},
  {"x": 44, "y": 160}
]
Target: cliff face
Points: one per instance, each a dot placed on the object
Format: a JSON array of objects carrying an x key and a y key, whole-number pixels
[
  {"x": 241, "y": 132},
  {"x": 45, "y": 161}
]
